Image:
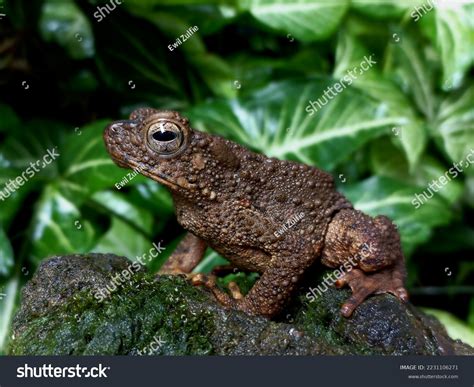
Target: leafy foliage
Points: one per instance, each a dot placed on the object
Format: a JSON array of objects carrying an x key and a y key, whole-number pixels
[{"x": 248, "y": 74}]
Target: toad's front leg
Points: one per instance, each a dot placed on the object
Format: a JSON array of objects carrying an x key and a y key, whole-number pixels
[
  {"x": 271, "y": 292},
  {"x": 187, "y": 255}
]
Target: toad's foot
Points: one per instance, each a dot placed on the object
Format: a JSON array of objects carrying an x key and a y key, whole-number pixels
[
  {"x": 389, "y": 280},
  {"x": 209, "y": 281}
]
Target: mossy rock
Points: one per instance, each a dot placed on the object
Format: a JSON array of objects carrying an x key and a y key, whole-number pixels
[{"x": 61, "y": 314}]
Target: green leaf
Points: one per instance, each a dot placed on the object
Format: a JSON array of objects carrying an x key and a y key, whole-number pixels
[
  {"x": 124, "y": 240},
  {"x": 6, "y": 254},
  {"x": 384, "y": 196},
  {"x": 457, "y": 329},
  {"x": 306, "y": 20},
  {"x": 8, "y": 296},
  {"x": 412, "y": 135},
  {"x": 58, "y": 227},
  {"x": 388, "y": 161},
  {"x": 470, "y": 191},
  {"x": 210, "y": 18},
  {"x": 21, "y": 149},
  {"x": 388, "y": 9},
  {"x": 350, "y": 53},
  {"x": 10, "y": 202},
  {"x": 141, "y": 69},
  {"x": 243, "y": 280},
  {"x": 85, "y": 161},
  {"x": 155, "y": 264},
  {"x": 63, "y": 22},
  {"x": 412, "y": 71},
  {"x": 151, "y": 3},
  {"x": 83, "y": 81},
  {"x": 26, "y": 164},
  {"x": 210, "y": 260},
  {"x": 413, "y": 138},
  {"x": 215, "y": 72},
  {"x": 9, "y": 119},
  {"x": 152, "y": 196},
  {"x": 116, "y": 204},
  {"x": 451, "y": 30},
  {"x": 454, "y": 127},
  {"x": 254, "y": 72},
  {"x": 172, "y": 26},
  {"x": 275, "y": 121}
]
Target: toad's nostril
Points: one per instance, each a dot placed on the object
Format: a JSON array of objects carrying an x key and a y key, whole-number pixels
[
  {"x": 115, "y": 126},
  {"x": 165, "y": 135}
]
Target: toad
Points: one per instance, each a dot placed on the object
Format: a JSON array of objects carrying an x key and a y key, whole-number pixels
[{"x": 264, "y": 215}]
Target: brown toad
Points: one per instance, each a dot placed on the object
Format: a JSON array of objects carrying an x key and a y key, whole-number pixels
[{"x": 264, "y": 215}]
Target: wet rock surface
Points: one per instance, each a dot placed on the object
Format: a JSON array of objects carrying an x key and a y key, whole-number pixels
[{"x": 61, "y": 313}]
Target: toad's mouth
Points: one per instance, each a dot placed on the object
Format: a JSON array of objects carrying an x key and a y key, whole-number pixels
[
  {"x": 154, "y": 175},
  {"x": 119, "y": 161}
]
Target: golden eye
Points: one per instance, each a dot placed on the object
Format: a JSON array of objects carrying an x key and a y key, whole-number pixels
[{"x": 165, "y": 137}]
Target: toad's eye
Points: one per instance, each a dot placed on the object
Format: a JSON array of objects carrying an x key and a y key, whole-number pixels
[{"x": 165, "y": 137}]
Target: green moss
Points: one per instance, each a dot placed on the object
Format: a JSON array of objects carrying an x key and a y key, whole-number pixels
[
  {"x": 321, "y": 320},
  {"x": 127, "y": 322}
]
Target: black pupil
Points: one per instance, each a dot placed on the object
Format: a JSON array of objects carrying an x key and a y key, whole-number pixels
[{"x": 165, "y": 135}]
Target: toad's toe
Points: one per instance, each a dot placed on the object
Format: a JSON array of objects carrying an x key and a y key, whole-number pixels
[{"x": 363, "y": 285}]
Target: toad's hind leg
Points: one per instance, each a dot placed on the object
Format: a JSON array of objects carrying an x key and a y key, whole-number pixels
[
  {"x": 185, "y": 258},
  {"x": 375, "y": 264}
]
